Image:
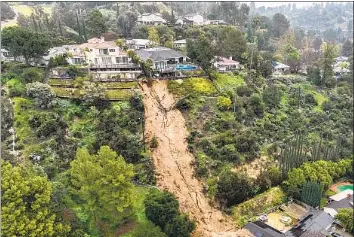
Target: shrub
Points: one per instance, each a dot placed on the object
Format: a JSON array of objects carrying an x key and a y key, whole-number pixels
[
  {"x": 227, "y": 194},
  {"x": 244, "y": 91},
  {"x": 310, "y": 99},
  {"x": 16, "y": 88},
  {"x": 272, "y": 96},
  {"x": 180, "y": 226},
  {"x": 224, "y": 103},
  {"x": 148, "y": 230},
  {"x": 42, "y": 94},
  {"x": 32, "y": 74},
  {"x": 154, "y": 143},
  {"x": 161, "y": 207}
]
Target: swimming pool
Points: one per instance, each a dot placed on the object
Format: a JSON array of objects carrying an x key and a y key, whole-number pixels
[
  {"x": 345, "y": 187},
  {"x": 185, "y": 67}
]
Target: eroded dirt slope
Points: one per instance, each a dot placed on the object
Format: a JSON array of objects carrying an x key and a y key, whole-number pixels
[{"x": 173, "y": 162}]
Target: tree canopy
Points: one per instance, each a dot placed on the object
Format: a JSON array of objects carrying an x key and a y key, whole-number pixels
[
  {"x": 103, "y": 183},
  {"x": 25, "y": 42},
  {"x": 25, "y": 204}
]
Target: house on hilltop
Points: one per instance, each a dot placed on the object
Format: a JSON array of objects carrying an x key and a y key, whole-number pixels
[
  {"x": 194, "y": 19},
  {"x": 222, "y": 64},
  {"x": 151, "y": 19},
  {"x": 280, "y": 68},
  {"x": 162, "y": 57}
]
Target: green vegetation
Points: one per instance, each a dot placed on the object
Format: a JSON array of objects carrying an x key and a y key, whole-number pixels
[
  {"x": 229, "y": 82},
  {"x": 162, "y": 210},
  {"x": 345, "y": 217},
  {"x": 200, "y": 86}
]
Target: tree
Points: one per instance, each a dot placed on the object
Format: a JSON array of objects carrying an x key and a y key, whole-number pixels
[
  {"x": 347, "y": 48},
  {"x": 291, "y": 57},
  {"x": 311, "y": 193},
  {"x": 103, "y": 183},
  {"x": 226, "y": 191},
  {"x": 231, "y": 42},
  {"x": 329, "y": 52},
  {"x": 148, "y": 230},
  {"x": 180, "y": 226},
  {"x": 201, "y": 51},
  {"x": 126, "y": 22},
  {"x": 345, "y": 217},
  {"x": 279, "y": 25},
  {"x": 25, "y": 42},
  {"x": 153, "y": 37},
  {"x": 140, "y": 32},
  {"x": 25, "y": 204},
  {"x": 42, "y": 93},
  {"x": 316, "y": 44},
  {"x": 96, "y": 23},
  {"x": 161, "y": 207}
]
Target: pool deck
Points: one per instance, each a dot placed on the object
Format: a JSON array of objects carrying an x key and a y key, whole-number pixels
[{"x": 335, "y": 186}]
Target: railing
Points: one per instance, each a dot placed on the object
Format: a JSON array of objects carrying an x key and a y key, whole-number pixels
[{"x": 127, "y": 65}]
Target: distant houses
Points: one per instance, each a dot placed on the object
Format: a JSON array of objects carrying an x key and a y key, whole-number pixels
[
  {"x": 222, "y": 64},
  {"x": 280, "y": 68},
  {"x": 178, "y": 44},
  {"x": 151, "y": 19}
]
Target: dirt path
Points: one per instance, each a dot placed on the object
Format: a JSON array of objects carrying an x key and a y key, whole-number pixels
[{"x": 173, "y": 161}]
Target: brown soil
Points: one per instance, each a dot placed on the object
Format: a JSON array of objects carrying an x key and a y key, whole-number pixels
[{"x": 173, "y": 162}]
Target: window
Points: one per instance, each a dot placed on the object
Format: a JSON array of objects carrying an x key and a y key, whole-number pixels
[
  {"x": 107, "y": 60},
  {"x": 112, "y": 50},
  {"x": 125, "y": 60},
  {"x": 119, "y": 60},
  {"x": 103, "y": 51},
  {"x": 96, "y": 61},
  {"x": 77, "y": 60}
]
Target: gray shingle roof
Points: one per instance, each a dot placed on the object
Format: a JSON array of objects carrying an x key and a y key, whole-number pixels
[
  {"x": 158, "y": 54},
  {"x": 260, "y": 229},
  {"x": 344, "y": 203}
]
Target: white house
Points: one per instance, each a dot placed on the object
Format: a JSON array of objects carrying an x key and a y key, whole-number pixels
[
  {"x": 151, "y": 19},
  {"x": 280, "y": 68},
  {"x": 222, "y": 64},
  {"x": 197, "y": 19},
  {"x": 104, "y": 58},
  {"x": 6, "y": 55},
  {"x": 180, "y": 43},
  {"x": 136, "y": 44}
]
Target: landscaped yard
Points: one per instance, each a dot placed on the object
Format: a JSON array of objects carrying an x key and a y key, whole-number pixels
[{"x": 258, "y": 205}]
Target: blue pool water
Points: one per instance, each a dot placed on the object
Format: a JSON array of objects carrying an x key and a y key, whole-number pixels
[{"x": 185, "y": 67}]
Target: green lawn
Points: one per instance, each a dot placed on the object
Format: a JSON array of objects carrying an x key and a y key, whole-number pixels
[{"x": 227, "y": 81}]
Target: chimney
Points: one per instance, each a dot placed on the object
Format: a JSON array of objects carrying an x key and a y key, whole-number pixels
[
  {"x": 101, "y": 39},
  {"x": 230, "y": 58}
]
